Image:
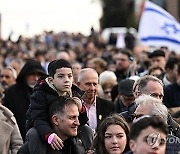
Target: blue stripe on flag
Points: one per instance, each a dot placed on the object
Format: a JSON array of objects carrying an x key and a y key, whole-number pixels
[
  {"x": 161, "y": 13},
  {"x": 153, "y": 38}
]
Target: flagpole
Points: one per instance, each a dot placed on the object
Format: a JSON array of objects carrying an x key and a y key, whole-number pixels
[
  {"x": 0, "y": 26},
  {"x": 172, "y": 8}
]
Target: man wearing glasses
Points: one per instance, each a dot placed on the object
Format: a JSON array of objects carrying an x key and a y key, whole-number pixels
[
  {"x": 149, "y": 85},
  {"x": 150, "y": 106},
  {"x": 152, "y": 86}
]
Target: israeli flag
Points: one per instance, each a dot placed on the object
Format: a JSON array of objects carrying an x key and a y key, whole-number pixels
[{"x": 158, "y": 28}]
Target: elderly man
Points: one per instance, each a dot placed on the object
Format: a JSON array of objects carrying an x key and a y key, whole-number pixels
[
  {"x": 8, "y": 77},
  {"x": 148, "y": 105},
  {"x": 148, "y": 85},
  {"x": 97, "y": 108},
  {"x": 152, "y": 86}
]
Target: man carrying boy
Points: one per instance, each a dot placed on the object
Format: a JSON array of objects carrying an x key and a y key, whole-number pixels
[
  {"x": 59, "y": 83},
  {"x": 64, "y": 115}
]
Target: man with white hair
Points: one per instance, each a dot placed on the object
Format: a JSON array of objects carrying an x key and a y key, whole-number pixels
[
  {"x": 97, "y": 108},
  {"x": 147, "y": 105},
  {"x": 148, "y": 85},
  {"x": 107, "y": 81},
  {"x": 107, "y": 76},
  {"x": 153, "y": 87},
  {"x": 8, "y": 77}
]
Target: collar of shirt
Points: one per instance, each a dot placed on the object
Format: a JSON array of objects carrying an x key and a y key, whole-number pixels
[
  {"x": 85, "y": 104},
  {"x": 91, "y": 114}
]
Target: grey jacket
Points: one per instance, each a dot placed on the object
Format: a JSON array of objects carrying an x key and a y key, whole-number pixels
[{"x": 10, "y": 140}]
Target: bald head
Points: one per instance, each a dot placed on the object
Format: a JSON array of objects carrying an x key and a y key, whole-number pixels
[
  {"x": 86, "y": 71},
  {"x": 88, "y": 82}
]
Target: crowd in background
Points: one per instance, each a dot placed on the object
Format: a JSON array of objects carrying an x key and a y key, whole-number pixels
[{"x": 119, "y": 74}]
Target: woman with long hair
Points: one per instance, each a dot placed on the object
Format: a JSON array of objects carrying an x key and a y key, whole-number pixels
[{"x": 111, "y": 137}]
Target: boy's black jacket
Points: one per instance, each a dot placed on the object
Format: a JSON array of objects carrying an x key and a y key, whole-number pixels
[{"x": 38, "y": 112}]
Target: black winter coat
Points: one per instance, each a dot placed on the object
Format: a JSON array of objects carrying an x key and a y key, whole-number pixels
[
  {"x": 17, "y": 97},
  {"x": 38, "y": 112}
]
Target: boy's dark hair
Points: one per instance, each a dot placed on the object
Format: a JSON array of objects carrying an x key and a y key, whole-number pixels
[
  {"x": 153, "y": 121},
  {"x": 56, "y": 64},
  {"x": 58, "y": 105}
]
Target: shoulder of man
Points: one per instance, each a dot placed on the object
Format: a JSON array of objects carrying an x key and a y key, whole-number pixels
[
  {"x": 172, "y": 144},
  {"x": 86, "y": 134},
  {"x": 83, "y": 141},
  {"x": 174, "y": 127},
  {"x": 98, "y": 99},
  {"x": 105, "y": 105}
]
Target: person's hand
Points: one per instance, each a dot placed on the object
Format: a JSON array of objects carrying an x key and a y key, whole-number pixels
[
  {"x": 90, "y": 152},
  {"x": 79, "y": 103},
  {"x": 57, "y": 143}
]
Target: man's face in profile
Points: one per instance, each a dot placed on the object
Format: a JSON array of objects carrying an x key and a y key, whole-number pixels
[{"x": 68, "y": 123}]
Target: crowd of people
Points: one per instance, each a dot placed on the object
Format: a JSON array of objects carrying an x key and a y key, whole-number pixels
[{"x": 69, "y": 93}]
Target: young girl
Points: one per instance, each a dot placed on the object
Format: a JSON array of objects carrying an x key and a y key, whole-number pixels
[{"x": 112, "y": 136}]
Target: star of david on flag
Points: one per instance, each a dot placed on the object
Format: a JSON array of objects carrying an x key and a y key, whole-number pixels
[{"x": 158, "y": 28}]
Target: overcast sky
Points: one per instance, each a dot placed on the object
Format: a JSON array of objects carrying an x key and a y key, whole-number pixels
[{"x": 33, "y": 16}]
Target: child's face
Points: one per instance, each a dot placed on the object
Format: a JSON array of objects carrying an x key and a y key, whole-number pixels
[{"x": 63, "y": 79}]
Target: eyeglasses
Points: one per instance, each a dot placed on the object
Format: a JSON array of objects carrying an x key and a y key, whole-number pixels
[
  {"x": 158, "y": 96},
  {"x": 133, "y": 116}
]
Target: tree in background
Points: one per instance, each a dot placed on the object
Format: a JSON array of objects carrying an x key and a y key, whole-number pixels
[{"x": 117, "y": 13}]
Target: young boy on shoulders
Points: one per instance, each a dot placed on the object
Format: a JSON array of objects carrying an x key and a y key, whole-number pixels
[{"x": 47, "y": 89}]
